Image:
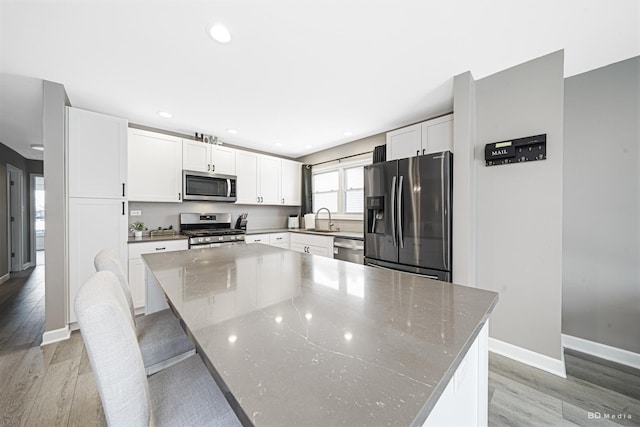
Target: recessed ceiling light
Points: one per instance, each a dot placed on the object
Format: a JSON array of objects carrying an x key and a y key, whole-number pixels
[
  {"x": 347, "y": 133},
  {"x": 165, "y": 114},
  {"x": 38, "y": 147},
  {"x": 278, "y": 144},
  {"x": 219, "y": 33},
  {"x": 232, "y": 131}
]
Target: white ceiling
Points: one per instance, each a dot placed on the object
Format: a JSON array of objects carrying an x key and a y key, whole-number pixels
[{"x": 297, "y": 73}]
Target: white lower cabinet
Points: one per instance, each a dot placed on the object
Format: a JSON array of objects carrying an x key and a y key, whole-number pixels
[
  {"x": 280, "y": 240},
  {"x": 257, "y": 238},
  {"x": 137, "y": 283},
  {"x": 94, "y": 224},
  {"x": 312, "y": 244}
]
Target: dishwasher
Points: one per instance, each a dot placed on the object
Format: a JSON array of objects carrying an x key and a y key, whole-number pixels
[{"x": 351, "y": 250}]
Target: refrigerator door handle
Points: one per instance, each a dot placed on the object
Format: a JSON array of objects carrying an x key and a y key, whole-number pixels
[
  {"x": 393, "y": 211},
  {"x": 400, "y": 225},
  {"x": 446, "y": 210}
]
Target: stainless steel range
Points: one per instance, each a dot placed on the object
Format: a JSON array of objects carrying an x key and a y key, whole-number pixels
[{"x": 210, "y": 230}]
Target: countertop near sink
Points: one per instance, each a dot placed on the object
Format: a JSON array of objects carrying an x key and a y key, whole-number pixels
[
  {"x": 156, "y": 238},
  {"x": 341, "y": 234}
]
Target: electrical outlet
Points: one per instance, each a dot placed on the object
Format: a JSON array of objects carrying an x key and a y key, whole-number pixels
[{"x": 135, "y": 213}]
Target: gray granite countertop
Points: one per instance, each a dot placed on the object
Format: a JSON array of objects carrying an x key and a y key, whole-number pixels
[
  {"x": 146, "y": 238},
  {"x": 343, "y": 234},
  {"x": 299, "y": 339}
]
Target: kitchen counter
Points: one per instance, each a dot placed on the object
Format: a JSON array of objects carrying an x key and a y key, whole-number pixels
[
  {"x": 341, "y": 234},
  {"x": 156, "y": 238},
  {"x": 298, "y": 339}
]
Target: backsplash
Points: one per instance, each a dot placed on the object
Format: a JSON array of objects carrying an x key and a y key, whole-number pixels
[{"x": 163, "y": 215}]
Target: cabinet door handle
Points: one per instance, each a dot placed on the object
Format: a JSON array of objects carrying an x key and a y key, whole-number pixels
[
  {"x": 161, "y": 249},
  {"x": 123, "y": 189},
  {"x": 258, "y": 199},
  {"x": 208, "y": 167},
  {"x": 258, "y": 240},
  {"x": 179, "y": 196},
  {"x": 423, "y": 150},
  {"x": 122, "y": 208},
  {"x": 417, "y": 152},
  {"x": 278, "y": 238},
  {"x": 213, "y": 168},
  {"x": 283, "y": 200}
]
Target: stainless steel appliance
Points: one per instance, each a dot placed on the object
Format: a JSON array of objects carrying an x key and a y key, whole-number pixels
[
  {"x": 351, "y": 250},
  {"x": 210, "y": 230},
  {"x": 208, "y": 186},
  {"x": 408, "y": 215}
]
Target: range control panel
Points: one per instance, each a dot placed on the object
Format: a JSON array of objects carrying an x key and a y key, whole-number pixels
[{"x": 516, "y": 150}]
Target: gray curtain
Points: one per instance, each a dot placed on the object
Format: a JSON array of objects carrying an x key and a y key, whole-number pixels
[{"x": 306, "y": 197}]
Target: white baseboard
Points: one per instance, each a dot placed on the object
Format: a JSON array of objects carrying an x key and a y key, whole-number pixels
[
  {"x": 602, "y": 351},
  {"x": 49, "y": 337},
  {"x": 5, "y": 278},
  {"x": 528, "y": 357}
]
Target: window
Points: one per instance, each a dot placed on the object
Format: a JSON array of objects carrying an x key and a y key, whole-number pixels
[{"x": 340, "y": 188}]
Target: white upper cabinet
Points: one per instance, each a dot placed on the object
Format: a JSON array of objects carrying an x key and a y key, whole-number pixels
[
  {"x": 431, "y": 136},
  {"x": 290, "y": 182},
  {"x": 437, "y": 135},
  {"x": 267, "y": 180},
  {"x": 196, "y": 156},
  {"x": 97, "y": 156},
  {"x": 205, "y": 157},
  {"x": 223, "y": 160},
  {"x": 155, "y": 167},
  {"x": 405, "y": 142},
  {"x": 247, "y": 177}
]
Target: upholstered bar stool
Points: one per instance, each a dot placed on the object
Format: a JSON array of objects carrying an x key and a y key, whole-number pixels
[
  {"x": 160, "y": 336},
  {"x": 184, "y": 394}
]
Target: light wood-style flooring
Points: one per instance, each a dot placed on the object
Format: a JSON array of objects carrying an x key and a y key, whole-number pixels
[{"x": 54, "y": 385}]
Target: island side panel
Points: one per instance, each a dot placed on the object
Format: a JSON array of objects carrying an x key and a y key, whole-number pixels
[{"x": 464, "y": 401}]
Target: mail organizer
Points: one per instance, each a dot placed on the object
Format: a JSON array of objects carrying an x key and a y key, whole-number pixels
[{"x": 516, "y": 150}]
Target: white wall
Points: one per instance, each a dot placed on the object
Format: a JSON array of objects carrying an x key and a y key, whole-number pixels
[{"x": 601, "y": 278}]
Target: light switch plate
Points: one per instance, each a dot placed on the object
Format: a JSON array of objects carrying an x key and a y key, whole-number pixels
[{"x": 135, "y": 213}]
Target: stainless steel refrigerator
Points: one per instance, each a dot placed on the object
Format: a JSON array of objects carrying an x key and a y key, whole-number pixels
[{"x": 408, "y": 215}]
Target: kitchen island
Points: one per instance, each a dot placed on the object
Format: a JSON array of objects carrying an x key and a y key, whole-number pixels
[{"x": 298, "y": 339}]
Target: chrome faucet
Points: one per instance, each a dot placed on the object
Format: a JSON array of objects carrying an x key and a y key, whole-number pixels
[{"x": 330, "y": 223}]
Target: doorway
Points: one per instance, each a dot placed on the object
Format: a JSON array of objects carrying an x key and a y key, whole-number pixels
[
  {"x": 15, "y": 219},
  {"x": 37, "y": 218}
]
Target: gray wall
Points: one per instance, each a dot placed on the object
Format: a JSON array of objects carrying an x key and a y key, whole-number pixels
[
  {"x": 352, "y": 148},
  {"x": 8, "y": 156},
  {"x": 601, "y": 291},
  {"x": 519, "y": 206},
  {"x": 54, "y": 100}
]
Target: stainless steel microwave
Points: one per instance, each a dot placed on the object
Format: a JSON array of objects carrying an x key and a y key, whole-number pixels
[{"x": 208, "y": 186}]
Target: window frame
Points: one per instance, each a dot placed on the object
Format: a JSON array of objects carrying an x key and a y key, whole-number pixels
[{"x": 340, "y": 166}]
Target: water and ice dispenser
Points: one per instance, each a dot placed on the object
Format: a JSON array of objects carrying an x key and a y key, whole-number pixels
[{"x": 375, "y": 214}]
